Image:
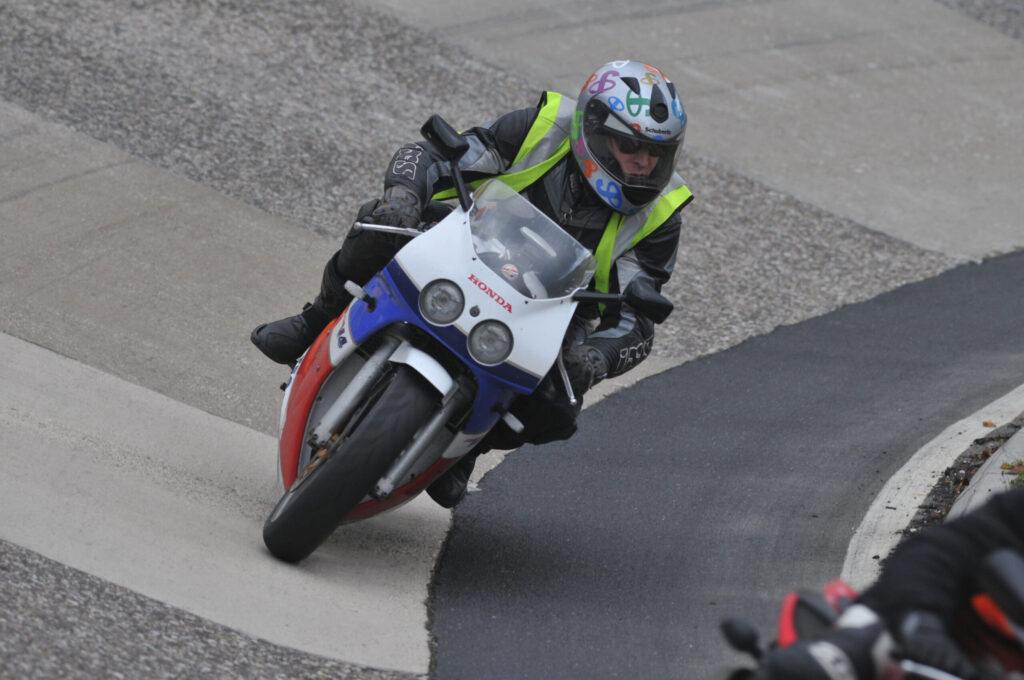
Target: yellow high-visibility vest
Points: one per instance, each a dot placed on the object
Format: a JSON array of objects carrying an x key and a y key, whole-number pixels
[{"x": 546, "y": 143}]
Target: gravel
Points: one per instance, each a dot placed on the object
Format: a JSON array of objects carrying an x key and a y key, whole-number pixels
[
  {"x": 296, "y": 108},
  {"x": 58, "y": 622},
  {"x": 1006, "y": 16},
  {"x": 292, "y": 107},
  {"x": 957, "y": 477}
]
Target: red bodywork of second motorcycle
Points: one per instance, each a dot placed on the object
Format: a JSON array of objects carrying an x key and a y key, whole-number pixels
[{"x": 982, "y": 629}]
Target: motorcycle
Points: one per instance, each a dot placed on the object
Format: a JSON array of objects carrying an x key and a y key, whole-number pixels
[
  {"x": 429, "y": 356},
  {"x": 990, "y": 630}
]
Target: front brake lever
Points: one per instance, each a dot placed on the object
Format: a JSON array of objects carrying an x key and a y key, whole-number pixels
[
  {"x": 386, "y": 228},
  {"x": 565, "y": 379}
]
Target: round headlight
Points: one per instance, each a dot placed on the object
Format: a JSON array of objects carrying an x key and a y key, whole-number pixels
[
  {"x": 490, "y": 342},
  {"x": 441, "y": 302}
]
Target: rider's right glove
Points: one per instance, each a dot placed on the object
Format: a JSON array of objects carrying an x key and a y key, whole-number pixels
[
  {"x": 585, "y": 366},
  {"x": 924, "y": 638},
  {"x": 399, "y": 207},
  {"x": 855, "y": 652}
]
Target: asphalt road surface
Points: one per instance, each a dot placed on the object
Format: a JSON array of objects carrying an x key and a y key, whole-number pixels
[{"x": 742, "y": 475}]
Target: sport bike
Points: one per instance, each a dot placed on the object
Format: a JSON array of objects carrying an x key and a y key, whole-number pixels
[{"x": 469, "y": 315}]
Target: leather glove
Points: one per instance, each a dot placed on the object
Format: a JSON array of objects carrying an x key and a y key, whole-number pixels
[
  {"x": 838, "y": 654},
  {"x": 586, "y": 367},
  {"x": 399, "y": 207},
  {"x": 857, "y": 649},
  {"x": 923, "y": 637},
  {"x": 809, "y": 660}
]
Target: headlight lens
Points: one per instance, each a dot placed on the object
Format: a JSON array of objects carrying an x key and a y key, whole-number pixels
[
  {"x": 490, "y": 342},
  {"x": 441, "y": 302}
]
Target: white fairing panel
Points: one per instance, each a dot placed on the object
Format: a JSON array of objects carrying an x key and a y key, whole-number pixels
[
  {"x": 425, "y": 364},
  {"x": 537, "y": 325}
]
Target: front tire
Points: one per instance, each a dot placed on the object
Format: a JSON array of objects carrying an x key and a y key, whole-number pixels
[{"x": 316, "y": 503}]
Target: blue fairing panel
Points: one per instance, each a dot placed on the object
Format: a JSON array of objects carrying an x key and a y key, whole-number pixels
[{"x": 397, "y": 302}]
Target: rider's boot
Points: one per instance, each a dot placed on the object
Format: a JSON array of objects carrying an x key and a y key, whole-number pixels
[
  {"x": 285, "y": 340},
  {"x": 362, "y": 254},
  {"x": 449, "y": 489}
]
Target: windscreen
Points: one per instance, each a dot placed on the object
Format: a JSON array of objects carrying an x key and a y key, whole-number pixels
[{"x": 524, "y": 247}]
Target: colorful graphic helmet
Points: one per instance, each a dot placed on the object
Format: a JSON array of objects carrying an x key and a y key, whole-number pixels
[{"x": 627, "y": 133}]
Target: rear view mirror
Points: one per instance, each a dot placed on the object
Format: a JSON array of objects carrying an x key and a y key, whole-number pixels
[
  {"x": 453, "y": 146},
  {"x": 641, "y": 295},
  {"x": 448, "y": 142}
]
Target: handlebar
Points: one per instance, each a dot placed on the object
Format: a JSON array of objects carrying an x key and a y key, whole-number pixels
[
  {"x": 593, "y": 296},
  {"x": 912, "y": 669},
  {"x": 640, "y": 294},
  {"x": 388, "y": 229}
]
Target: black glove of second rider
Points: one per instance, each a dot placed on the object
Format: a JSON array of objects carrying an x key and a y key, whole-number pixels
[
  {"x": 923, "y": 638},
  {"x": 399, "y": 207},
  {"x": 858, "y": 649}
]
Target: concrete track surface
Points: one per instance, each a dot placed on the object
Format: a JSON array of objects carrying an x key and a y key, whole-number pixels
[{"x": 173, "y": 174}]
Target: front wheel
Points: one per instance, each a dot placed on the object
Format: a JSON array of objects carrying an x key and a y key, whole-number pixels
[{"x": 337, "y": 479}]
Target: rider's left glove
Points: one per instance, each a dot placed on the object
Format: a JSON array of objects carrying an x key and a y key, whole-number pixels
[{"x": 586, "y": 367}]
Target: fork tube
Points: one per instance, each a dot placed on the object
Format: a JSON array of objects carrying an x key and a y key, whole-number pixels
[
  {"x": 355, "y": 391},
  {"x": 453, "y": 403}
]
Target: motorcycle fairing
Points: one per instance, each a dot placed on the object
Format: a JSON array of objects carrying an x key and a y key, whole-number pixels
[
  {"x": 341, "y": 343},
  {"x": 806, "y": 614},
  {"x": 306, "y": 381},
  {"x": 446, "y": 251},
  {"x": 396, "y": 301},
  {"x": 986, "y": 631}
]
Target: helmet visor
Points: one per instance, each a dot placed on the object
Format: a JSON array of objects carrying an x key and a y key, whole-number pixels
[{"x": 643, "y": 166}]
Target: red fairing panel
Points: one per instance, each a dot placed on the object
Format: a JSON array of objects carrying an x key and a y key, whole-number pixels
[
  {"x": 839, "y": 594},
  {"x": 306, "y": 384},
  {"x": 787, "y": 630},
  {"x": 402, "y": 494}
]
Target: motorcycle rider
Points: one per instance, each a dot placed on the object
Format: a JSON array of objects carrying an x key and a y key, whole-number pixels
[
  {"x": 925, "y": 585},
  {"x": 603, "y": 168}
]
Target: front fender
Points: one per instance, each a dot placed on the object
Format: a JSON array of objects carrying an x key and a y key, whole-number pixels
[{"x": 426, "y": 365}]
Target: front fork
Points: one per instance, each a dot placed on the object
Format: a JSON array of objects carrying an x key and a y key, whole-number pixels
[
  {"x": 455, "y": 403},
  {"x": 355, "y": 392}
]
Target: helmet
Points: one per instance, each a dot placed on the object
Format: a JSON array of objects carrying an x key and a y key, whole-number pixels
[{"x": 627, "y": 133}]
